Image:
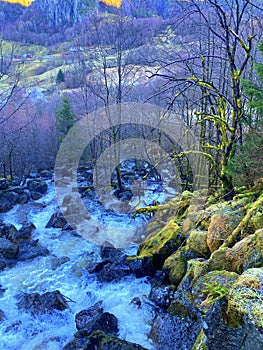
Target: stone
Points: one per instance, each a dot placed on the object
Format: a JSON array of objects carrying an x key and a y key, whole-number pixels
[
  {"x": 100, "y": 340},
  {"x": 3, "y": 184},
  {"x": 7, "y": 231},
  {"x": 8, "y": 249},
  {"x": 245, "y": 254},
  {"x": 84, "y": 317},
  {"x": 2, "y": 316},
  {"x": 162, "y": 295},
  {"x": 175, "y": 266},
  {"x": 197, "y": 243},
  {"x": 7, "y": 201},
  {"x": 37, "y": 186},
  {"x": 24, "y": 233},
  {"x": 42, "y": 304},
  {"x": 221, "y": 226},
  {"x": 161, "y": 244},
  {"x": 30, "y": 250},
  {"x": 178, "y": 328},
  {"x": 57, "y": 220},
  {"x": 220, "y": 335}
]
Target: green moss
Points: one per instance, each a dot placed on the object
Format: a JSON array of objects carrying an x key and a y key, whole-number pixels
[
  {"x": 162, "y": 243},
  {"x": 246, "y": 298},
  {"x": 176, "y": 266},
  {"x": 200, "y": 343},
  {"x": 197, "y": 243},
  {"x": 207, "y": 289}
]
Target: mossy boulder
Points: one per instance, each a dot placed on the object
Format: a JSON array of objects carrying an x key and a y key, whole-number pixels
[
  {"x": 197, "y": 243},
  {"x": 162, "y": 243},
  {"x": 214, "y": 285},
  {"x": 176, "y": 265},
  {"x": 246, "y": 298},
  {"x": 100, "y": 340},
  {"x": 221, "y": 226},
  {"x": 245, "y": 254}
]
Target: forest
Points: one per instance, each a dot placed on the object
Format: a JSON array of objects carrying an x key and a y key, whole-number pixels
[{"x": 145, "y": 114}]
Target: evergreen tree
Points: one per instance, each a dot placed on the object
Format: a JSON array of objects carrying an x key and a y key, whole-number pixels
[
  {"x": 247, "y": 165},
  {"x": 60, "y": 77},
  {"x": 64, "y": 117}
]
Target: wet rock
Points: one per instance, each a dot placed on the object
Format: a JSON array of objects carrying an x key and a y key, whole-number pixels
[
  {"x": 23, "y": 198},
  {"x": 3, "y": 184},
  {"x": 105, "y": 322},
  {"x": 57, "y": 262},
  {"x": 178, "y": 328},
  {"x": 2, "y": 266},
  {"x": 100, "y": 340},
  {"x": 7, "y": 230},
  {"x": 214, "y": 285},
  {"x": 31, "y": 250},
  {"x": 107, "y": 271},
  {"x": 197, "y": 243},
  {"x": 36, "y": 195},
  {"x": 42, "y": 304},
  {"x": 245, "y": 254},
  {"x": 8, "y": 249},
  {"x": 46, "y": 174},
  {"x": 245, "y": 298},
  {"x": 111, "y": 253},
  {"x": 161, "y": 244},
  {"x": 86, "y": 316},
  {"x": 57, "y": 220},
  {"x": 23, "y": 234},
  {"x": 2, "y": 316},
  {"x": 123, "y": 195},
  {"x": 162, "y": 295},
  {"x": 176, "y": 265},
  {"x": 141, "y": 266},
  {"x": 220, "y": 228},
  {"x": 7, "y": 201},
  {"x": 37, "y": 186},
  {"x": 220, "y": 335}
]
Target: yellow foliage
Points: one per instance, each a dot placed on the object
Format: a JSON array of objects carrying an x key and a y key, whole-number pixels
[
  {"x": 21, "y": 2},
  {"x": 115, "y": 3}
]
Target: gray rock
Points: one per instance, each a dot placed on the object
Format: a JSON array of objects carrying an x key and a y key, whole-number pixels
[
  {"x": 100, "y": 340},
  {"x": 37, "y": 186},
  {"x": 42, "y": 304},
  {"x": 7, "y": 201},
  {"x": 31, "y": 250},
  {"x": 8, "y": 249}
]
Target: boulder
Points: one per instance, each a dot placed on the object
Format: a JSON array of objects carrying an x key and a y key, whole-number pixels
[
  {"x": 197, "y": 243},
  {"x": 3, "y": 184},
  {"x": 221, "y": 334},
  {"x": 42, "y": 304},
  {"x": 178, "y": 328},
  {"x": 30, "y": 250},
  {"x": 245, "y": 298},
  {"x": 7, "y": 230},
  {"x": 245, "y": 254},
  {"x": 7, "y": 201},
  {"x": 23, "y": 234},
  {"x": 176, "y": 265},
  {"x": 84, "y": 317},
  {"x": 221, "y": 226},
  {"x": 37, "y": 186},
  {"x": 161, "y": 244},
  {"x": 100, "y": 340},
  {"x": 8, "y": 249},
  {"x": 162, "y": 295},
  {"x": 57, "y": 220}
]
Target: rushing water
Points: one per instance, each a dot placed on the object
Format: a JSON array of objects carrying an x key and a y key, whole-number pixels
[{"x": 26, "y": 332}]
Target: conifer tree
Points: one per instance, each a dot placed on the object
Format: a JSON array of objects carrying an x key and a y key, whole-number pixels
[{"x": 65, "y": 118}]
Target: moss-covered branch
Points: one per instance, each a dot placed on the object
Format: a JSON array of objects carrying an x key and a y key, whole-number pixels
[{"x": 243, "y": 223}]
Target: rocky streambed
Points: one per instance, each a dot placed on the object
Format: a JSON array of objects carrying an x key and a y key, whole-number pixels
[{"x": 179, "y": 289}]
